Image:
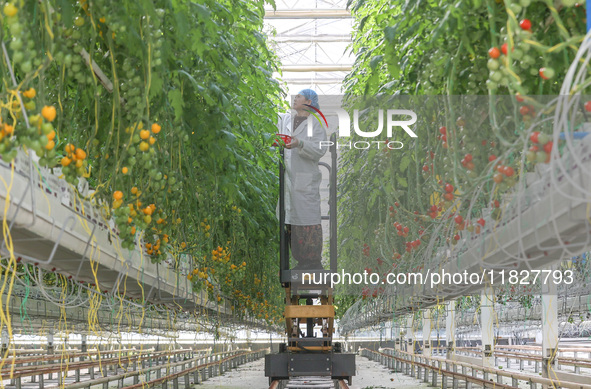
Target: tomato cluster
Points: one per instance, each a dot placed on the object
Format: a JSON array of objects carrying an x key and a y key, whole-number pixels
[
  {"x": 541, "y": 148},
  {"x": 131, "y": 98}
]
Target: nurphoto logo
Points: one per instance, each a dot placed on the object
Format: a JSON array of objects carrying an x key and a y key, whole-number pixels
[{"x": 402, "y": 118}]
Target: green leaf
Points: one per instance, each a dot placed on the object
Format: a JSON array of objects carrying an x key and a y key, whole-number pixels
[
  {"x": 67, "y": 12},
  {"x": 175, "y": 97},
  {"x": 362, "y": 22},
  {"x": 203, "y": 12},
  {"x": 156, "y": 85},
  {"x": 390, "y": 33},
  {"x": 358, "y": 6},
  {"x": 404, "y": 163},
  {"x": 375, "y": 61},
  {"x": 401, "y": 181},
  {"x": 181, "y": 23}
]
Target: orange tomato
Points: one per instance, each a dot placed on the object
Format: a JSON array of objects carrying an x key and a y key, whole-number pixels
[
  {"x": 49, "y": 113},
  {"x": 80, "y": 154},
  {"x": 30, "y": 93}
]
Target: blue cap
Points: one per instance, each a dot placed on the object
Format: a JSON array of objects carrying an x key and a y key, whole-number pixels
[{"x": 309, "y": 94}]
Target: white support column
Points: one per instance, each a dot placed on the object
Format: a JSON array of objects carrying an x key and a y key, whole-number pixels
[
  {"x": 83, "y": 346},
  {"x": 50, "y": 342},
  {"x": 486, "y": 318},
  {"x": 549, "y": 328},
  {"x": 5, "y": 339},
  {"x": 410, "y": 335},
  {"x": 427, "y": 332},
  {"x": 397, "y": 335},
  {"x": 450, "y": 329}
]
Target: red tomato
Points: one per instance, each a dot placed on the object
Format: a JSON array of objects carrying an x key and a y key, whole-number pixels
[
  {"x": 525, "y": 24},
  {"x": 588, "y": 106},
  {"x": 547, "y": 73},
  {"x": 494, "y": 53},
  {"x": 449, "y": 188},
  {"x": 458, "y": 219},
  {"x": 534, "y": 136},
  {"x": 548, "y": 147}
]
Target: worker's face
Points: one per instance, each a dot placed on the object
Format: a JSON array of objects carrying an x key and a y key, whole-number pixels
[{"x": 299, "y": 101}]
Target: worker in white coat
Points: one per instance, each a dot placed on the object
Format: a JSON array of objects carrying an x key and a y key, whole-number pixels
[{"x": 302, "y": 181}]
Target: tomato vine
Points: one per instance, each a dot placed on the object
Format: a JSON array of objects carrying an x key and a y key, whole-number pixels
[
  {"x": 469, "y": 66},
  {"x": 166, "y": 108}
]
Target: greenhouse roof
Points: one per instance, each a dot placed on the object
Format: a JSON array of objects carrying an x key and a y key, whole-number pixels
[{"x": 311, "y": 38}]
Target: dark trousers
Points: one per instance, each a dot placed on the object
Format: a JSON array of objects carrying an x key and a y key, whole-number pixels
[{"x": 306, "y": 245}]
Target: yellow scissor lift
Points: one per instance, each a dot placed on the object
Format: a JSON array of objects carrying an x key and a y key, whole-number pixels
[{"x": 304, "y": 354}]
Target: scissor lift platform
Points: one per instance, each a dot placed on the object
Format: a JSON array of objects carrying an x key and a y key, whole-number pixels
[{"x": 305, "y": 355}]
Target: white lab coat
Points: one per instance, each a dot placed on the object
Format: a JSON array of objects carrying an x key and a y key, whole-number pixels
[{"x": 302, "y": 175}]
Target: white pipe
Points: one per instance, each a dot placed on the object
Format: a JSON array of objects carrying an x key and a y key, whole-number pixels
[
  {"x": 309, "y": 14},
  {"x": 316, "y": 68}
]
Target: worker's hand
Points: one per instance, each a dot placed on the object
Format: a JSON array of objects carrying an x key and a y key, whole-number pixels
[{"x": 293, "y": 144}]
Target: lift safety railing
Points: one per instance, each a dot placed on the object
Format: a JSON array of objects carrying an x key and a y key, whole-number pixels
[{"x": 285, "y": 274}]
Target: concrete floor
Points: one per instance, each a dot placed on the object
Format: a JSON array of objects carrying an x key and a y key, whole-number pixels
[{"x": 370, "y": 375}]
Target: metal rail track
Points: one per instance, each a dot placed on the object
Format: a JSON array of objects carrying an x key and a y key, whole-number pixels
[{"x": 117, "y": 369}]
